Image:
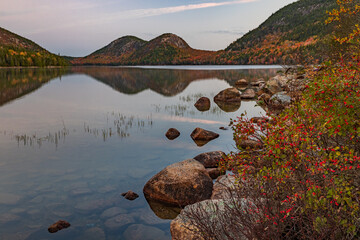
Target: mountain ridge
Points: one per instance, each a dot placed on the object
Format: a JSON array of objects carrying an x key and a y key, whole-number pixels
[
  {"x": 295, "y": 34},
  {"x": 16, "y": 50},
  {"x": 167, "y": 48}
]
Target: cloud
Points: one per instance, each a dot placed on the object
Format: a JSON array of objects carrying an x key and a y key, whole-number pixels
[
  {"x": 150, "y": 12},
  {"x": 228, "y": 32}
]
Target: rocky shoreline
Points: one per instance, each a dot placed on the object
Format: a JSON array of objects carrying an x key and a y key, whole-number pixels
[{"x": 189, "y": 184}]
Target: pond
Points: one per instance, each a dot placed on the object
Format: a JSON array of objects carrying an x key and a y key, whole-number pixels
[{"x": 72, "y": 140}]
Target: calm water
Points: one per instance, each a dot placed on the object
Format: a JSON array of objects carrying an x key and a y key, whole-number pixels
[{"x": 71, "y": 141}]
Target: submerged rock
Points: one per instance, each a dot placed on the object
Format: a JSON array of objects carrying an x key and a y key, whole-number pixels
[
  {"x": 59, "y": 225},
  {"x": 203, "y": 104},
  {"x": 112, "y": 212},
  {"x": 210, "y": 159},
  {"x": 172, "y": 133},
  {"x": 130, "y": 195},
  {"x": 119, "y": 221},
  {"x": 142, "y": 232},
  {"x": 94, "y": 233},
  {"x": 180, "y": 184}
]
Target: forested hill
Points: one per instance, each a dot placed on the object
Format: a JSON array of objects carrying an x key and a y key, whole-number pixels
[
  {"x": 296, "y": 31},
  {"x": 129, "y": 50},
  {"x": 19, "y": 51}
]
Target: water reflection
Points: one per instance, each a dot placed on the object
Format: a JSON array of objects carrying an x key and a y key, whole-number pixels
[
  {"x": 115, "y": 142},
  {"x": 114, "y": 124},
  {"x": 16, "y": 82},
  {"x": 167, "y": 82}
]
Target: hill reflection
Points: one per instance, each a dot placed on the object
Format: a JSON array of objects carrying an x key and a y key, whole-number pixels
[
  {"x": 17, "y": 82},
  {"x": 167, "y": 82}
]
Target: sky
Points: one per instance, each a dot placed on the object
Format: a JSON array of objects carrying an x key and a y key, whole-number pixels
[{"x": 79, "y": 27}]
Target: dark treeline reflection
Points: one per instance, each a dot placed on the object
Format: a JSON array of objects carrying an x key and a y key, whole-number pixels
[
  {"x": 167, "y": 82},
  {"x": 17, "y": 82}
]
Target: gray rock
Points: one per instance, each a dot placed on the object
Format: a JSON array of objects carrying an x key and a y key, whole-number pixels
[
  {"x": 222, "y": 187},
  {"x": 212, "y": 213},
  {"x": 280, "y": 98}
]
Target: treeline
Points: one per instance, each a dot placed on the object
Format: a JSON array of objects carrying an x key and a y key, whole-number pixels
[{"x": 20, "y": 57}]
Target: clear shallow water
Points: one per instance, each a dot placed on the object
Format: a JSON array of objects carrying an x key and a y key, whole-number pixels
[{"x": 71, "y": 141}]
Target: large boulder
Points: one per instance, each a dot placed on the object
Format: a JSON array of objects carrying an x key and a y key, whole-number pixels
[
  {"x": 211, "y": 213},
  {"x": 228, "y": 95},
  {"x": 210, "y": 159},
  {"x": 203, "y": 104},
  {"x": 223, "y": 187},
  {"x": 202, "y": 136},
  {"x": 248, "y": 94},
  {"x": 180, "y": 184}
]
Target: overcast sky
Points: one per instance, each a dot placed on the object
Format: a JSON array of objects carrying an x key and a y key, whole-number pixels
[{"x": 79, "y": 27}]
